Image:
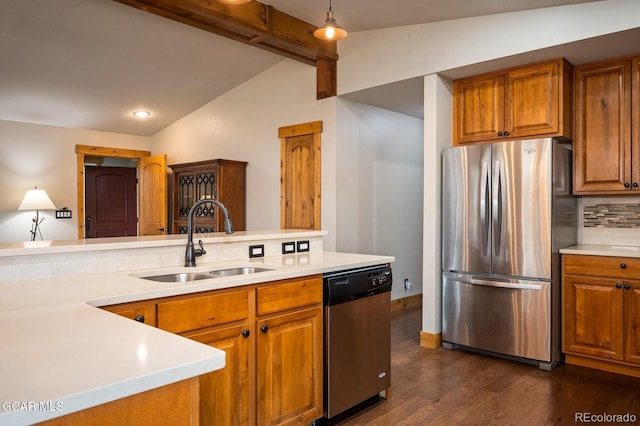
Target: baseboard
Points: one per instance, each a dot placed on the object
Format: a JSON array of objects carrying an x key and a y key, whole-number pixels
[
  {"x": 430, "y": 340},
  {"x": 406, "y": 302}
]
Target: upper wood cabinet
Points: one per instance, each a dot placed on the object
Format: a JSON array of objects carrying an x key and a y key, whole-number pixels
[
  {"x": 223, "y": 180},
  {"x": 517, "y": 103},
  {"x": 606, "y": 152}
]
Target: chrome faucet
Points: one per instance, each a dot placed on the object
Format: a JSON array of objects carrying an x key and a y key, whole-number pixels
[{"x": 192, "y": 253}]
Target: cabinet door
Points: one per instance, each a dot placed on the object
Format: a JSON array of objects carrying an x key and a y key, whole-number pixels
[
  {"x": 602, "y": 145},
  {"x": 532, "y": 100},
  {"x": 478, "y": 108},
  {"x": 289, "y": 350},
  {"x": 632, "y": 321},
  {"x": 593, "y": 316},
  {"x": 635, "y": 121},
  {"x": 224, "y": 394}
]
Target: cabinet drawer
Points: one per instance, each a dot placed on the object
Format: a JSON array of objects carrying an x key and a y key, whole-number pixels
[
  {"x": 202, "y": 311},
  {"x": 602, "y": 266},
  {"x": 289, "y": 294},
  {"x": 144, "y": 311}
]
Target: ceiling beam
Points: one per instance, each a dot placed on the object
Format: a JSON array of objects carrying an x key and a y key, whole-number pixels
[{"x": 258, "y": 25}]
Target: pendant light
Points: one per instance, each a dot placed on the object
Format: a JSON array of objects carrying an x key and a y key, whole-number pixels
[
  {"x": 330, "y": 30},
  {"x": 234, "y": 1}
]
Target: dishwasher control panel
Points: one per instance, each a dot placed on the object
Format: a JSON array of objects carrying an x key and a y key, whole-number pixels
[{"x": 343, "y": 286}]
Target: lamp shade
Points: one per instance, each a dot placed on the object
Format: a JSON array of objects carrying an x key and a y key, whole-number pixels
[{"x": 36, "y": 199}]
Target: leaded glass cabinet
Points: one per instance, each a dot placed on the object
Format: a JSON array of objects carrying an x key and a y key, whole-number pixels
[{"x": 223, "y": 180}]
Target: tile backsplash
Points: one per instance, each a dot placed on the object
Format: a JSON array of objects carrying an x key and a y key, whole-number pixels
[{"x": 610, "y": 220}]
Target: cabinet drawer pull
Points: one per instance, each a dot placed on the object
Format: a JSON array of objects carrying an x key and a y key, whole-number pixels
[
  {"x": 627, "y": 286},
  {"x": 139, "y": 318},
  {"x": 264, "y": 328},
  {"x": 618, "y": 285},
  {"x": 245, "y": 333},
  {"x": 627, "y": 185},
  {"x": 623, "y": 265}
]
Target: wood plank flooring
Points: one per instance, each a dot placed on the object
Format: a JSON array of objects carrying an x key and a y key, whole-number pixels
[{"x": 451, "y": 387}]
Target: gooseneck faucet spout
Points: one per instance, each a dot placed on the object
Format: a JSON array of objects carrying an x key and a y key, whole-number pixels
[{"x": 192, "y": 252}]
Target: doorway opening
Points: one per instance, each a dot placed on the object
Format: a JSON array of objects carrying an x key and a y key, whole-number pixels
[{"x": 100, "y": 184}]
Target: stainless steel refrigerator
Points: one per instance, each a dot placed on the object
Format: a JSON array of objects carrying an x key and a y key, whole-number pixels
[{"x": 507, "y": 209}]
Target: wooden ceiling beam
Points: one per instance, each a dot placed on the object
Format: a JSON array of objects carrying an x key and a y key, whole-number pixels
[{"x": 258, "y": 25}]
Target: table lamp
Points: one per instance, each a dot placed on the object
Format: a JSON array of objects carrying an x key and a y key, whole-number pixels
[{"x": 36, "y": 199}]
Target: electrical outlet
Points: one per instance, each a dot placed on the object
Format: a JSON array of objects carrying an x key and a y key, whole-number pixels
[
  {"x": 407, "y": 284},
  {"x": 302, "y": 246},
  {"x": 256, "y": 251},
  {"x": 288, "y": 247}
]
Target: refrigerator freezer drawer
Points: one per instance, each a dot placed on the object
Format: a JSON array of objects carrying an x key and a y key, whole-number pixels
[{"x": 506, "y": 316}]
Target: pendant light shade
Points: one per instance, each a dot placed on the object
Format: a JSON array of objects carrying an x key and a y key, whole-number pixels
[
  {"x": 330, "y": 30},
  {"x": 234, "y": 1}
]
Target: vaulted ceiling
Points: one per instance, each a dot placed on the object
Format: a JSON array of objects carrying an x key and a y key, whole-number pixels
[{"x": 90, "y": 63}]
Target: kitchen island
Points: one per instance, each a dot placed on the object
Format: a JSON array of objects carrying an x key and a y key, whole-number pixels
[{"x": 62, "y": 354}]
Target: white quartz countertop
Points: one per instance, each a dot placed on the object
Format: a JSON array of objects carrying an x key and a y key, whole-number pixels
[
  {"x": 602, "y": 250},
  {"x": 61, "y": 354}
]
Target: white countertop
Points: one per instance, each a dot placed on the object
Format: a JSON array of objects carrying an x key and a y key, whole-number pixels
[
  {"x": 58, "y": 348},
  {"x": 602, "y": 250}
]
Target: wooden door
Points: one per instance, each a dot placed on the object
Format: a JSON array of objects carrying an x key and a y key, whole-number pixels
[
  {"x": 632, "y": 321},
  {"x": 152, "y": 195},
  {"x": 289, "y": 351},
  {"x": 602, "y": 145},
  {"x": 110, "y": 202},
  {"x": 478, "y": 108},
  {"x": 635, "y": 122},
  {"x": 593, "y": 316},
  {"x": 532, "y": 100},
  {"x": 300, "y": 163},
  {"x": 224, "y": 393}
]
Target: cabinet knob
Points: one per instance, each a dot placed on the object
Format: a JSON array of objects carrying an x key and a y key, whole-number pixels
[
  {"x": 623, "y": 265},
  {"x": 618, "y": 285},
  {"x": 264, "y": 328},
  {"x": 139, "y": 318},
  {"x": 245, "y": 333},
  {"x": 635, "y": 184},
  {"x": 499, "y": 133},
  {"x": 506, "y": 133},
  {"x": 627, "y": 185},
  {"x": 627, "y": 286}
]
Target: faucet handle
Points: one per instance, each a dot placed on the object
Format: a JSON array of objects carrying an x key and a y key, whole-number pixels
[{"x": 199, "y": 252}]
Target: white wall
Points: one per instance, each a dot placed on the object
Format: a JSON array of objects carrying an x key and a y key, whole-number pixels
[
  {"x": 44, "y": 156},
  {"x": 379, "y": 192},
  {"x": 377, "y": 57},
  {"x": 243, "y": 125}
]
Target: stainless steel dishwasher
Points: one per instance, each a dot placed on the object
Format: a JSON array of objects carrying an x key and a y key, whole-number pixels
[{"x": 357, "y": 336}]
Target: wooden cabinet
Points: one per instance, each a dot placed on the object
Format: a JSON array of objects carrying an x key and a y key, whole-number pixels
[
  {"x": 272, "y": 336},
  {"x": 606, "y": 137},
  {"x": 601, "y": 312},
  {"x": 524, "y": 102},
  {"x": 289, "y": 352},
  {"x": 223, "y": 180},
  {"x": 144, "y": 311}
]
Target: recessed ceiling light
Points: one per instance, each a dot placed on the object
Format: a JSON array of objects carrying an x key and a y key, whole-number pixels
[{"x": 142, "y": 114}]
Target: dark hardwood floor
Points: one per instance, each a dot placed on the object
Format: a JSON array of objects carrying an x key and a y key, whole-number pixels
[{"x": 437, "y": 387}]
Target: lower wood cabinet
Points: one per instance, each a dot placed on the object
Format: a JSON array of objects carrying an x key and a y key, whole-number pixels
[
  {"x": 601, "y": 312},
  {"x": 272, "y": 336}
]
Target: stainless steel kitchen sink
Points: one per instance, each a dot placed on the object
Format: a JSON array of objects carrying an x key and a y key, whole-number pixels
[
  {"x": 180, "y": 277},
  {"x": 187, "y": 277},
  {"x": 238, "y": 271}
]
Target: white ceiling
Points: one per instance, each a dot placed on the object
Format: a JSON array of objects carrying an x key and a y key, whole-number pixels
[{"x": 90, "y": 63}]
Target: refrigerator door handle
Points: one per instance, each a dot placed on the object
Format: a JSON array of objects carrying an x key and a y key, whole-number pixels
[
  {"x": 496, "y": 283},
  {"x": 496, "y": 213},
  {"x": 484, "y": 201}
]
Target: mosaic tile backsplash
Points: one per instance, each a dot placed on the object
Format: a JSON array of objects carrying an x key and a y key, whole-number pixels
[{"x": 611, "y": 215}]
